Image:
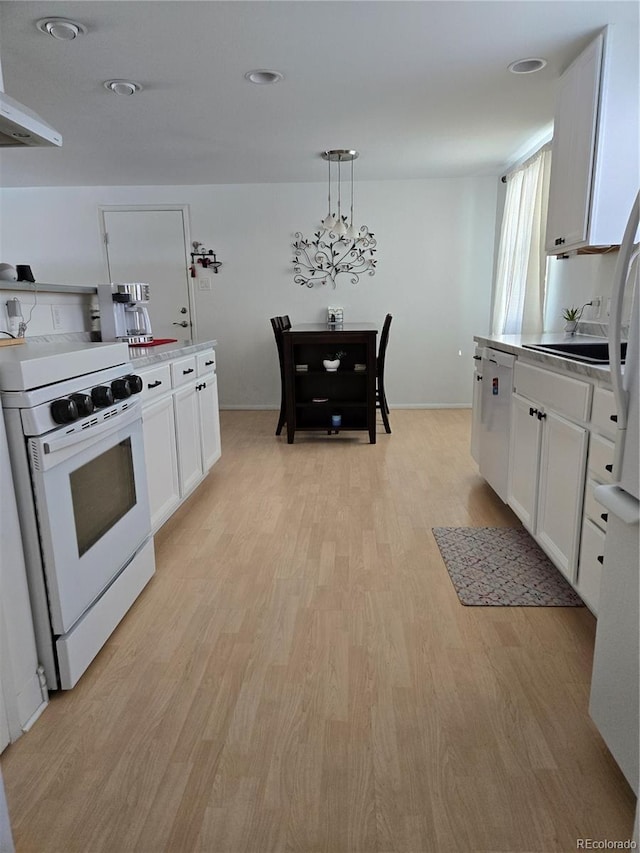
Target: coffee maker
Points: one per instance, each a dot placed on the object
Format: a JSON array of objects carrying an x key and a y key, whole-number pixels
[{"x": 123, "y": 313}]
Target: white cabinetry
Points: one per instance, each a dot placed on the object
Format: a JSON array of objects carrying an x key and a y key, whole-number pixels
[
  {"x": 594, "y": 166},
  {"x": 207, "y": 389},
  {"x": 161, "y": 459},
  {"x": 599, "y": 470},
  {"x": 562, "y": 460},
  {"x": 547, "y": 460},
  {"x": 197, "y": 419},
  {"x": 476, "y": 411},
  {"x": 188, "y": 438},
  {"x": 181, "y": 429}
]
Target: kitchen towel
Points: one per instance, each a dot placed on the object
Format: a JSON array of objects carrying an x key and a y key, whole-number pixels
[{"x": 502, "y": 566}]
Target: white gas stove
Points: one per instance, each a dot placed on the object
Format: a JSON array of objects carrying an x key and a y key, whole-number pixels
[{"x": 74, "y": 427}]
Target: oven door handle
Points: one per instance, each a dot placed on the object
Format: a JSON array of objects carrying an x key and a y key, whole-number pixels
[{"x": 114, "y": 422}]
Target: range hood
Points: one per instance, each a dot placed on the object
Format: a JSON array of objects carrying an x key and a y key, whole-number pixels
[{"x": 20, "y": 126}]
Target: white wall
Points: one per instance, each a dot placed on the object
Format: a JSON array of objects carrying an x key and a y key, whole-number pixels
[
  {"x": 576, "y": 280},
  {"x": 73, "y": 311},
  {"x": 435, "y": 261}
]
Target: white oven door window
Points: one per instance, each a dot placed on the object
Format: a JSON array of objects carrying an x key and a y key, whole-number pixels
[
  {"x": 93, "y": 512},
  {"x": 96, "y": 509}
]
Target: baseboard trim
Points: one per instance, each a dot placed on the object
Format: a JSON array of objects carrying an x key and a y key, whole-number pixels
[{"x": 266, "y": 408}]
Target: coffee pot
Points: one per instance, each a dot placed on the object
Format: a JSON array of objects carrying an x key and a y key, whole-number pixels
[{"x": 123, "y": 312}]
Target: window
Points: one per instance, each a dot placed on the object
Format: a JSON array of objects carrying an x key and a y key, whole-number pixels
[{"x": 521, "y": 272}]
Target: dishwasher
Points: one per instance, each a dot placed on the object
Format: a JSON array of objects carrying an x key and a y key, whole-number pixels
[{"x": 495, "y": 418}]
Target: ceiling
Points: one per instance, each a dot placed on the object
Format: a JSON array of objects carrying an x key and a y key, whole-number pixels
[{"x": 421, "y": 89}]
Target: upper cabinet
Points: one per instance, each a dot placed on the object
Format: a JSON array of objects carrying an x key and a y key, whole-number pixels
[{"x": 594, "y": 166}]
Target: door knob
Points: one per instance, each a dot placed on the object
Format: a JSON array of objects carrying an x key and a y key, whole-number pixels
[{"x": 184, "y": 324}]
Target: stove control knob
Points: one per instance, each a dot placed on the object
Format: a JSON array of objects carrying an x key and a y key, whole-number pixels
[
  {"x": 121, "y": 388},
  {"x": 135, "y": 383},
  {"x": 64, "y": 411},
  {"x": 84, "y": 403},
  {"x": 102, "y": 395}
]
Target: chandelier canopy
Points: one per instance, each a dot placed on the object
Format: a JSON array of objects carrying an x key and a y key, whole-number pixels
[{"x": 339, "y": 247}]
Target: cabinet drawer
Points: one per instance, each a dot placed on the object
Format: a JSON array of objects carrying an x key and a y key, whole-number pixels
[
  {"x": 205, "y": 362},
  {"x": 601, "y": 452},
  {"x": 604, "y": 407},
  {"x": 565, "y": 395},
  {"x": 594, "y": 511},
  {"x": 590, "y": 570},
  {"x": 183, "y": 371},
  {"x": 156, "y": 382}
]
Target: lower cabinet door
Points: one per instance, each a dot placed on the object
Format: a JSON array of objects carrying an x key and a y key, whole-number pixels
[
  {"x": 188, "y": 438},
  {"x": 476, "y": 415},
  {"x": 591, "y": 560},
  {"x": 563, "y": 459},
  {"x": 161, "y": 460},
  {"x": 524, "y": 451},
  {"x": 209, "y": 420}
]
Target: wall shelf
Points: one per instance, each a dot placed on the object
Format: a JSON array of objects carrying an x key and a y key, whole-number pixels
[{"x": 41, "y": 287}]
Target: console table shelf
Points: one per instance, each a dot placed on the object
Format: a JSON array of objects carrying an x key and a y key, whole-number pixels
[{"x": 349, "y": 393}]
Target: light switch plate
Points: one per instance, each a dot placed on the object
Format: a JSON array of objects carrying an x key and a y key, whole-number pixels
[{"x": 204, "y": 283}]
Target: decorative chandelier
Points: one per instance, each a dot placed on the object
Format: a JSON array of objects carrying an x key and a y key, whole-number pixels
[{"x": 338, "y": 247}]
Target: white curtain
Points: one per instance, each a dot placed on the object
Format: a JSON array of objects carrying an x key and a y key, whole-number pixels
[{"x": 518, "y": 305}]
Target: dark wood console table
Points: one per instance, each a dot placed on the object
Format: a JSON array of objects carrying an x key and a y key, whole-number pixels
[{"x": 315, "y": 397}]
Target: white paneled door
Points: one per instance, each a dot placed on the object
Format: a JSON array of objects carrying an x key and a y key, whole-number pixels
[{"x": 151, "y": 245}]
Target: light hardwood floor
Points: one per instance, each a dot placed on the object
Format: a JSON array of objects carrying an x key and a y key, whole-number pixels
[{"x": 300, "y": 676}]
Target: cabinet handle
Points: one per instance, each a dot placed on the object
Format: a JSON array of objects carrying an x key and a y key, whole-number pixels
[
  {"x": 477, "y": 358},
  {"x": 478, "y": 378},
  {"x": 209, "y": 363},
  {"x": 559, "y": 241},
  {"x": 154, "y": 384},
  {"x": 600, "y": 559},
  {"x": 187, "y": 371},
  {"x": 604, "y": 516},
  {"x": 608, "y": 468},
  {"x": 613, "y": 418},
  {"x": 532, "y": 411},
  {"x": 541, "y": 416}
]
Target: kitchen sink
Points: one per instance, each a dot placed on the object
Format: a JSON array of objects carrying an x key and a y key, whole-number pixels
[{"x": 596, "y": 352}]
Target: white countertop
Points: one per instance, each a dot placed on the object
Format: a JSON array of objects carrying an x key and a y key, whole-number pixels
[
  {"x": 146, "y": 356},
  {"x": 515, "y": 344},
  {"x": 42, "y": 362}
]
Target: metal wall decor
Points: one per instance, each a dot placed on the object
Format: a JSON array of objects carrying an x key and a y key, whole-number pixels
[
  {"x": 205, "y": 257},
  {"x": 338, "y": 247}
]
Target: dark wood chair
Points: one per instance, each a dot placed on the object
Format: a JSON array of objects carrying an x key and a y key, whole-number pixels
[
  {"x": 381, "y": 397},
  {"x": 279, "y": 325}
]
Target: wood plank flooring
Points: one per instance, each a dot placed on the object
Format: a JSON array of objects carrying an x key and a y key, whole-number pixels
[{"x": 300, "y": 676}]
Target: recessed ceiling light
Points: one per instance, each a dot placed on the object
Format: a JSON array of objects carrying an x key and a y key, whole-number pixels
[
  {"x": 261, "y": 76},
  {"x": 122, "y": 87},
  {"x": 527, "y": 66},
  {"x": 61, "y": 29}
]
